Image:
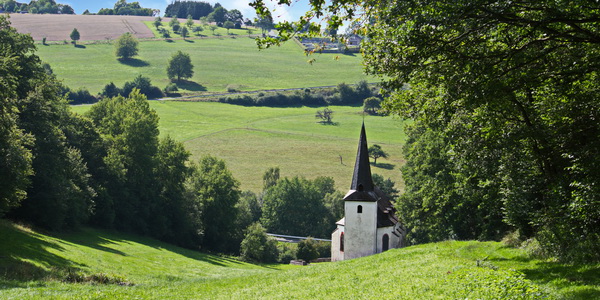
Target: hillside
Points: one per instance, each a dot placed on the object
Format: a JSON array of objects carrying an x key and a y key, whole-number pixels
[
  {"x": 253, "y": 139},
  {"x": 218, "y": 64},
  {"x": 91, "y": 27},
  {"x": 33, "y": 265}
]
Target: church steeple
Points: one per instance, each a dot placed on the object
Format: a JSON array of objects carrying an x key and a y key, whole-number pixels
[{"x": 362, "y": 180}]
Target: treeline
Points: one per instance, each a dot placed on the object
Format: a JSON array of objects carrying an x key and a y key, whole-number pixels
[
  {"x": 203, "y": 11},
  {"x": 343, "y": 94},
  {"x": 123, "y": 8},
  {"x": 36, "y": 7},
  {"x": 183, "y": 9}
]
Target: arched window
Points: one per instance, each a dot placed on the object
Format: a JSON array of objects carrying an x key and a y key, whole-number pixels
[
  {"x": 359, "y": 209},
  {"x": 342, "y": 242},
  {"x": 386, "y": 243},
  {"x": 360, "y": 188}
]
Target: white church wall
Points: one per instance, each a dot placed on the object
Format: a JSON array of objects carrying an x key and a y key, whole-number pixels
[
  {"x": 336, "y": 251},
  {"x": 360, "y": 230}
]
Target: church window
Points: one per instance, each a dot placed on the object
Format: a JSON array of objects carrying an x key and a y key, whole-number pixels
[
  {"x": 342, "y": 242},
  {"x": 359, "y": 209},
  {"x": 386, "y": 242}
]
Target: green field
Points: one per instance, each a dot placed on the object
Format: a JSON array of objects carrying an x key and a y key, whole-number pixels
[
  {"x": 218, "y": 63},
  {"x": 35, "y": 266},
  {"x": 252, "y": 139}
]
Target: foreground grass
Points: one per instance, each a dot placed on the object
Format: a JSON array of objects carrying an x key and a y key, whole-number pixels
[
  {"x": 154, "y": 270},
  {"x": 219, "y": 63},
  {"x": 252, "y": 139}
]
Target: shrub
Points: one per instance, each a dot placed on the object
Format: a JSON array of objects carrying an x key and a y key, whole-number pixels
[
  {"x": 307, "y": 250},
  {"x": 81, "y": 96},
  {"x": 171, "y": 87},
  {"x": 110, "y": 90},
  {"x": 144, "y": 85},
  {"x": 257, "y": 246}
]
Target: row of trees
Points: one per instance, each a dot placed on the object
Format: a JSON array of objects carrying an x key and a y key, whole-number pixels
[
  {"x": 36, "y": 7},
  {"x": 121, "y": 7},
  {"x": 504, "y": 98},
  {"x": 198, "y": 10}
]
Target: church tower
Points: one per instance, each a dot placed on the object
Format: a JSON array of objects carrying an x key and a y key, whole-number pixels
[{"x": 369, "y": 225}]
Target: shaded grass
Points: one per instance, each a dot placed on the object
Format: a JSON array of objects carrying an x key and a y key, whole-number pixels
[
  {"x": 252, "y": 139},
  {"x": 218, "y": 63},
  {"x": 445, "y": 270}
]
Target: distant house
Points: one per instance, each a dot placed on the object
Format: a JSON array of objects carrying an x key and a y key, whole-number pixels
[
  {"x": 370, "y": 224},
  {"x": 354, "y": 40}
]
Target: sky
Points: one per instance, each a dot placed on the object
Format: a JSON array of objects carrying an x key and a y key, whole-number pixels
[{"x": 281, "y": 13}]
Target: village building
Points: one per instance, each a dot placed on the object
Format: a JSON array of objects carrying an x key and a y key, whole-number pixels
[{"x": 370, "y": 224}]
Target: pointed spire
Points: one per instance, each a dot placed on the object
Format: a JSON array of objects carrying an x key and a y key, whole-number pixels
[{"x": 362, "y": 180}]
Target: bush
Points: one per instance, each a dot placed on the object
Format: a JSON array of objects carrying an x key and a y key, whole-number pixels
[
  {"x": 171, "y": 87},
  {"x": 307, "y": 250},
  {"x": 81, "y": 96},
  {"x": 144, "y": 85},
  {"x": 110, "y": 90},
  {"x": 257, "y": 246}
]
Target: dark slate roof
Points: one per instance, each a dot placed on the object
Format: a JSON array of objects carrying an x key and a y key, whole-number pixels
[
  {"x": 362, "y": 180},
  {"x": 363, "y": 189}
]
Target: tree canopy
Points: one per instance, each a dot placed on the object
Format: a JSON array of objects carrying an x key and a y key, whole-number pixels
[
  {"x": 505, "y": 105},
  {"x": 180, "y": 66},
  {"x": 126, "y": 46}
]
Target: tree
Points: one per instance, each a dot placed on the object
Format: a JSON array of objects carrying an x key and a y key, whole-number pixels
[
  {"x": 15, "y": 143},
  {"x": 270, "y": 178},
  {"x": 74, "y": 36},
  {"x": 307, "y": 250},
  {"x": 295, "y": 206},
  {"x": 325, "y": 115},
  {"x": 218, "y": 15},
  {"x": 217, "y": 192},
  {"x": 174, "y": 24},
  {"x": 371, "y": 105},
  {"x": 235, "y": 16},
  {"x": 190, "y": 22},
  {"x": 180, "y": 66},
  {"x": 184, "y": 32},
  {"x": 387, "y": 186},
  {"x": 376, "y": 152},
  {"x": 157, "y": 22},
  {"x": 198, "y": 30},
  {"x": 258, "y": 246},
  {"x": 228, "y": 25},
  {"x": 126, "y": 46},
  {"x": 503, "y": 84},
  {"x": 213, "y": 28}
]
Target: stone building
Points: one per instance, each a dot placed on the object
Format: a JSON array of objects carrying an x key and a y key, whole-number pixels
[{"x": 370, "y": 224}]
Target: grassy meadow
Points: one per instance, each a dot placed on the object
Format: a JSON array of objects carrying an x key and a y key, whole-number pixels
[
  {"x": 252, "y": 139},
  {"x": 35, "y": 265},
  {"x": 219, "y": 63}
]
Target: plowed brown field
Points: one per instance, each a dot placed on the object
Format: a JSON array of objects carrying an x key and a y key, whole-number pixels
[{"x": 90, "y": 27}]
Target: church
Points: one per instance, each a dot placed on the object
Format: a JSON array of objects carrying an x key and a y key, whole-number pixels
[{"x": 370, "y": 224}]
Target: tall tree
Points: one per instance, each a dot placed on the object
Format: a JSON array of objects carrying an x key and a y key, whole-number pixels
[
  {"x": 511, "y": 86},
  {"x": 75, "y": 36},
  {"x": 126, "y": 46},
  {"x": 180, "y": 66},
  {"x": 217, "y": 192},
  {"x": 17, "y": 68},
  {"x": 130, "y": 129}
]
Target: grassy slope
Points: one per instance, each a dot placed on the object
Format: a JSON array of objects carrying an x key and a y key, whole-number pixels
[
  {"x": 252, "y": 139},
  {"x": 218, "y": 62},
  {"x": 444, "y": 270}
]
